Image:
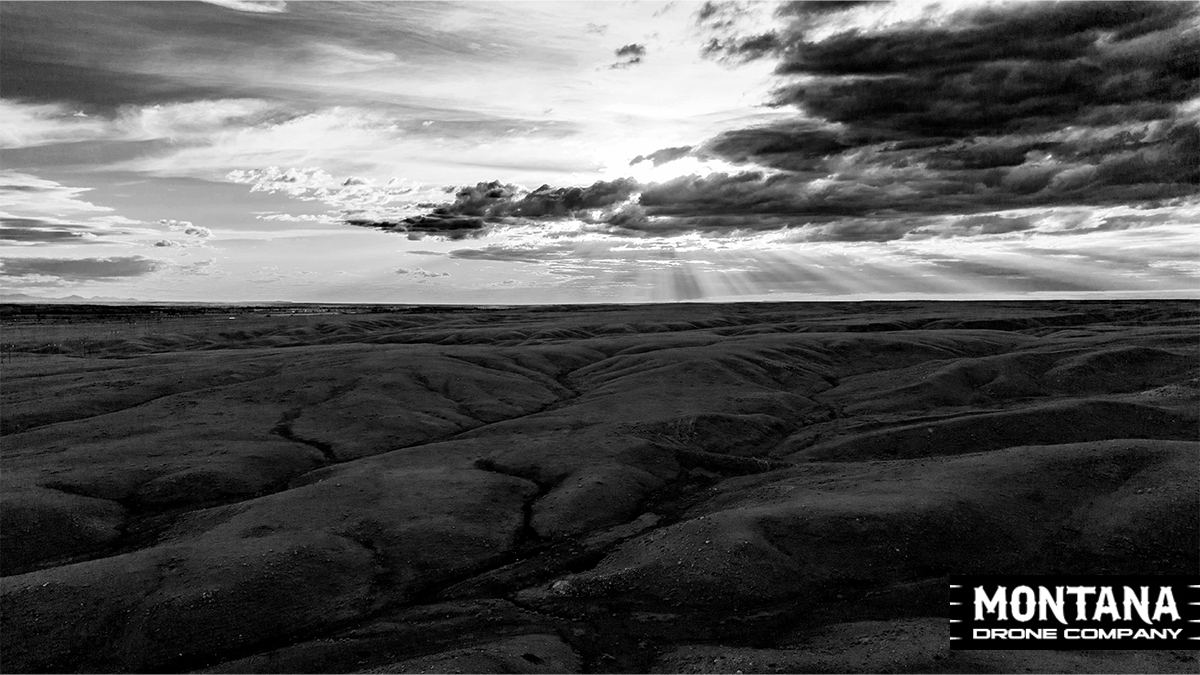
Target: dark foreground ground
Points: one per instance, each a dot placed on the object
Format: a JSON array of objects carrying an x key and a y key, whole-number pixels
[{"x": 673, "y": 488}]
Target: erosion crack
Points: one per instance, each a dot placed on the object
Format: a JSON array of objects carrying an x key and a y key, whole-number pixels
[{"x": 283, "y": 429}]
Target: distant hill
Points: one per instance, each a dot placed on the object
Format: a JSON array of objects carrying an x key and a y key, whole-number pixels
[{"x": 70, "y": 299}]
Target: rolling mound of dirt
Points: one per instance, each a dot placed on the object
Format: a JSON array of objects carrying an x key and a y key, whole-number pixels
[{"x": 679, "y": 488}]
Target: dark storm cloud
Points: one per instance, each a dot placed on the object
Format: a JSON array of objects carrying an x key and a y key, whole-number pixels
[
  {"x": 498, "y": 200},
  {"x": 439, "y": 223},
  {"x": 1001, "y": 106},
  {"x": 801, "y": 8},
  {"x": 985, "y": 154},
  {"x": 477, "y": 205},
  {"x": 660, "y": 157},
  {"x": 1022, "y": 67},
  {"x": 795, "y": 147},
  {"x": 79, "y": 269}
]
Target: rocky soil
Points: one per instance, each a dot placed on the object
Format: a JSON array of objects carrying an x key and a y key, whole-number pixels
[{"x": 671, "y": 488}]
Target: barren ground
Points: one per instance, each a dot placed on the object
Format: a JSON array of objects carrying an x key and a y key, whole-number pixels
[{"x": 663, "y": 488}]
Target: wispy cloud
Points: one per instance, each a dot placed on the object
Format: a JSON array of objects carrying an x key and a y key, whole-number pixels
[
  {"x": 79, "y": 269},
  {"x": 41, "y": 231},
  {"x": 23, "y": 191},
  {"x": 423, "y": 91},
  {"x": 36, "y": 211},
  {"x": 257, "y": 6}
]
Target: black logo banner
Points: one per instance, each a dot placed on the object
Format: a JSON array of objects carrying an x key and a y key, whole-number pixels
[{"x": 1074, "y": 612}]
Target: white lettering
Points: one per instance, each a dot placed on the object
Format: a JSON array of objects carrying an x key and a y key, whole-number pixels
[
  {"x": 1106, "y": 604},
  {"x": 1022, "y": 597},
  {"x": 1015, "y": 633},
  {"x": 1081, "y": 593},
  {"x": 1053, "y": 603},
  {"x": 994, "y": 604},
  {"x": 1141, "y": 604},
  {"x": 1116, "y": 633},
  {"x": 1165, "y": 604}
]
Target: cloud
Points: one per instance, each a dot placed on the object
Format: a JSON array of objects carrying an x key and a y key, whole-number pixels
[
  {"x": 348, "y": 87},
  {"x": 631, "y": 51},
  {"x": 298, "y": 218},
  {"x": 36, "y": 211},
  {"x": 199, "y": 268},
  {"x": 976, "y": 225},
  {"x": 294, "y": 182},
  {"x": 660, "y": 157},
  {"x": 476, "y": 207},
  {"x": 498, "y": 200},
  {"x": 927, "y": 110},
  {"x": 996, "y": 69},
  {"x": 440, "y": 224},
  {"x": 353, "y": 195},
  {"x": 744, "y": 49},
  {"x": 537, "y": 253},
  {"x": 40, "y": 231},
  {"x": 106, "y": 66},
  {"x": 22, "y": 191},
  {"x": 905, "y": 117},
  {"x": 312, "y": 56},
  {"x": 739, "y": 31},
  {"x": 79, "y": 269},
  {"x": 32, "y": 125},
  {"x": 186, "y": 227},
  {"x": 260, "y": 7},
  {"x": 420, "y": 273},
  {"x": 629, "y": 55},
  {"x": 132, "y": 136},
  {"x": 797, "y": 146}
]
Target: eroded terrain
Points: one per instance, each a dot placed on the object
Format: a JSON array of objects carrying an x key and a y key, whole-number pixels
[{"x": 672, "y": 488}]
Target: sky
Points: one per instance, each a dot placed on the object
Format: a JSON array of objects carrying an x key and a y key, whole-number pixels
[{"x": 579, "y": 152}]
